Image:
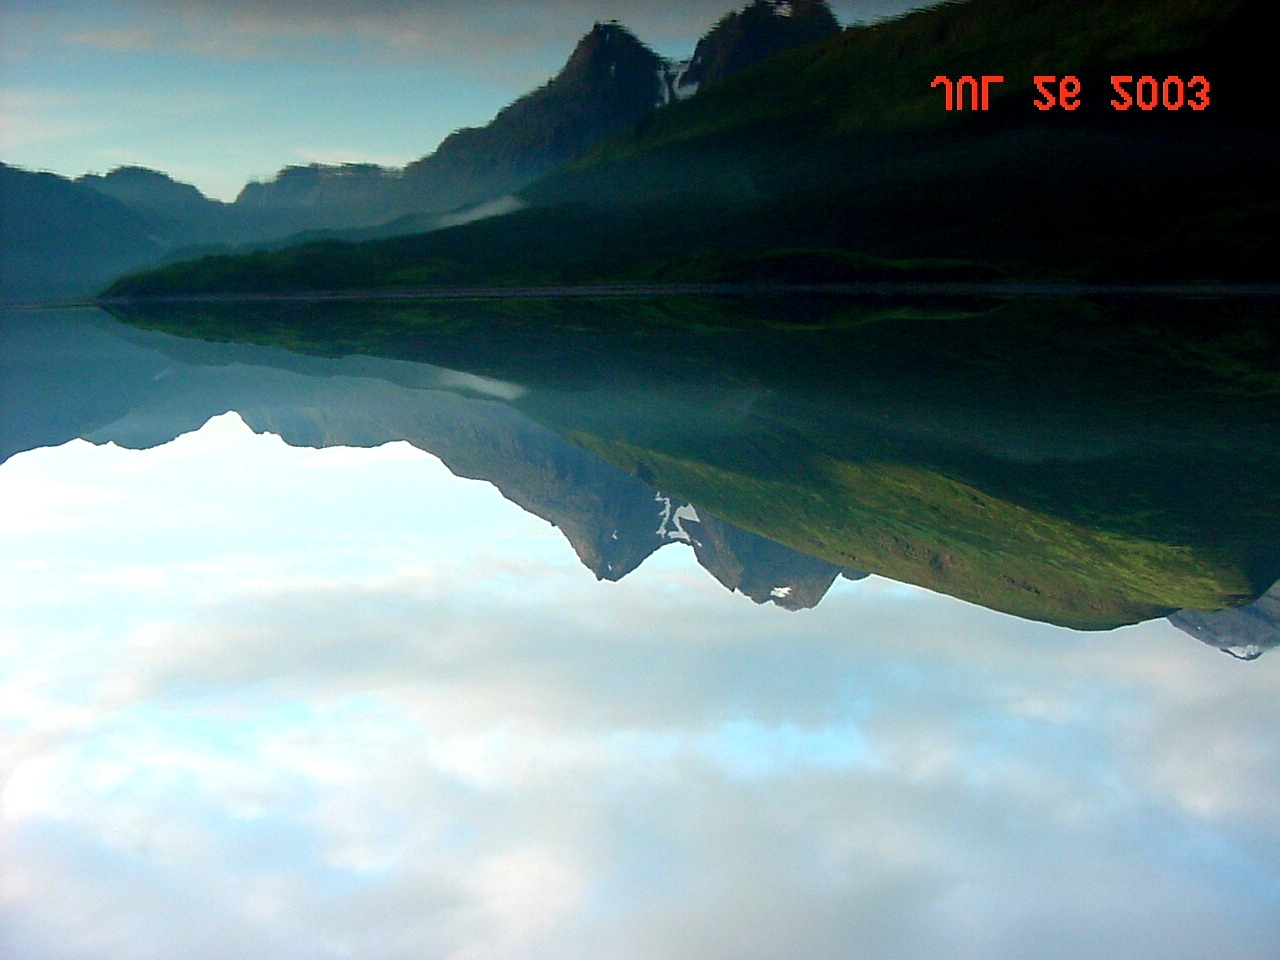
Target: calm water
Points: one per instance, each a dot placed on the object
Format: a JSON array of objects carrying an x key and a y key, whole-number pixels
[{"x": 660, "y": 644}]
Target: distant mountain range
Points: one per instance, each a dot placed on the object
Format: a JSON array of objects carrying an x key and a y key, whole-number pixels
[
  {"x": 839, "y": 160},
  {"x": 102, "y": 225}
]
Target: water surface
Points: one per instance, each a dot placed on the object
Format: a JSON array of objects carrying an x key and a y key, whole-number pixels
[{"x": 278, "y": 682}]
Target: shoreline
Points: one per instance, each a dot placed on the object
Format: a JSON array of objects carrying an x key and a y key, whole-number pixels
[{"x": 612, "y": 290}]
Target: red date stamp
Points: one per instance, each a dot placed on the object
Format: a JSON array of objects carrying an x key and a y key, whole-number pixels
[
  {"x": 955, "y": 91},
  {"x": 1146, "y": 93},
  {"x": 1173, "y": 93}
]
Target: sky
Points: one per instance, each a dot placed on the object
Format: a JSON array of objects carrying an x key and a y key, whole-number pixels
[
  {"x": 249, "y": 710},
  {"x": 216, "y": 92}
]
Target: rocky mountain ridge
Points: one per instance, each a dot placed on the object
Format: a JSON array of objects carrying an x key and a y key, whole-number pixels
[
  {"x": 132, "y": 217},
  {"x": 741, "y": 39},
  {"x": 610, "y": 81},
  {"x": 1245, "y": 633}
]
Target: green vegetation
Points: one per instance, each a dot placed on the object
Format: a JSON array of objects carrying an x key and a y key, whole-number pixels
[
  {"x": 837, "y": 161},
  {"x": 569, "y": 244},
  {"x": 1090, "y": 463},
  {"x": 918, "y": 526}
]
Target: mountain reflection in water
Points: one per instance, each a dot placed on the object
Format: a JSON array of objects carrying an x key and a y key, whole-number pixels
[
  {"x": 1085, "y": 463},
  {"x": 271, "y": 701}
]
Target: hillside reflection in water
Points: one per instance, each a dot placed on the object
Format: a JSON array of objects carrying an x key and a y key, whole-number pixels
[{"x": 271, "y": 700}]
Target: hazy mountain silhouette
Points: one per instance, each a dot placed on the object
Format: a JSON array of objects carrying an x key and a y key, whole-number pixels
[
  {"x": 68, "y": 375},
  {"x": 153, "y": 191},
  {"x": 839, "y": 161},
  {"x": 60, "y": 240},
  {"x": 58, "y": 237}
]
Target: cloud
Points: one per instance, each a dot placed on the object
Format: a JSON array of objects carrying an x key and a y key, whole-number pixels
[
  {"x": 328, "y": 735},
  {"x": 456, "y": 32},
  {"x": 34, "y": 117},
  {"x": 118, "y": 40}
]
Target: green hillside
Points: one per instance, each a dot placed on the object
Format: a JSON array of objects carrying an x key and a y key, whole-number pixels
[
  {"x": 839, "y": 161},
  {"x": 877, "y": 79}
]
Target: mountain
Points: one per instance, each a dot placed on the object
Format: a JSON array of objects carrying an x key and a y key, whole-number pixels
[
  {"x": 157, "y": 193},
  {"x": 844, "y": 147},
  {"x": 610, "y": 81},
  {"x": 59, "y": 238},
  {"x": 325, "y": 195},
  {"x": 741, "y": 39},
  {"x": 757, "y": 567},
  {"x": 62, "y": 238},
  {"x": 839, "y": 160},
  {"x": 299, "y": 199},
  {"x": 1246, "y": 633}
]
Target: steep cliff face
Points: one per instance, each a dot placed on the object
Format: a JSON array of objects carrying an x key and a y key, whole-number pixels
[
  {"x": 762, "y": 569},
  {"x": 609, "y": 82},
  {"x": 1244, "y": 632},
  {"x": 742, "y": 39}
]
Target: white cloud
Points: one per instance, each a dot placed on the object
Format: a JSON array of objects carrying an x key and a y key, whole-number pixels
[
  {"x": 471, "y": 36},
  {"x": 336, "y": 737}
]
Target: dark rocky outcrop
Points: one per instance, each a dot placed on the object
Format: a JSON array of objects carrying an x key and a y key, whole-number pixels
[
  {"x": 741, "y": 39},
  {"x": 610, "y": 81},
  {"x": 1244, "y": 632}
]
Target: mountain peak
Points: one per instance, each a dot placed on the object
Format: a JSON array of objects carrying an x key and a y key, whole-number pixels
[
  {"x": 607, "y": 30},
  {"x": 609, "y": 44},
  {"x": 147, "y": 189},
  {"x": 743, "y": 38}
]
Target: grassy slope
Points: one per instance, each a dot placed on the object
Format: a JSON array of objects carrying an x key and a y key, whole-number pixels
[
  {"x": 877, "y": 79},
  {"x": 837, "y": 161},
  {"x": 845, "y": 145},
  {"x": 917, "y": 526}
]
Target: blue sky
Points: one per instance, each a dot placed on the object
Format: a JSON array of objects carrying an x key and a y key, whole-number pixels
[
  {"x": 217, "y": 92},
  {"x": 248, "y": 709}
]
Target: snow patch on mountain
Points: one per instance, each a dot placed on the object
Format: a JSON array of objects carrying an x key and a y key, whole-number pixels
[{"x": 673, "y": 518}]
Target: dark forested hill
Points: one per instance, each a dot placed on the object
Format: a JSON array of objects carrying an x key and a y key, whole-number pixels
[
  {"x": 611, "y": 81},
  {"x": 839, "y": 160}
]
